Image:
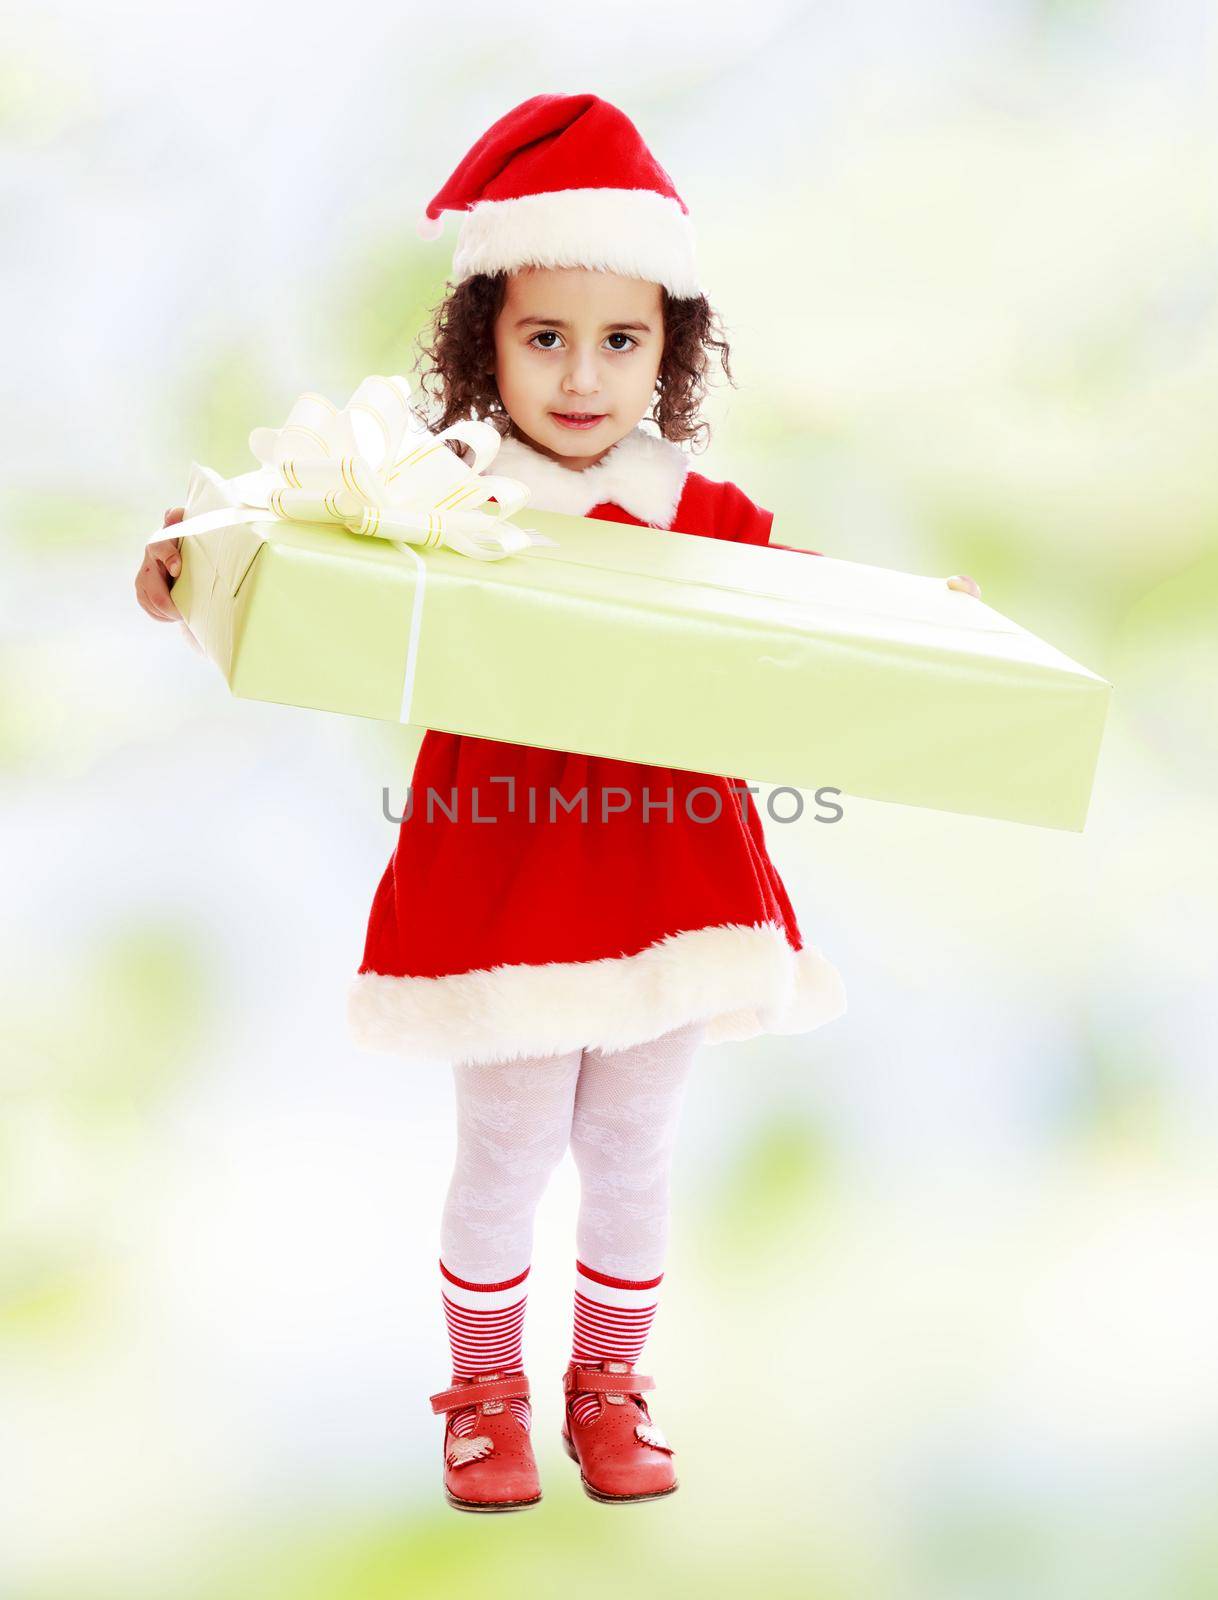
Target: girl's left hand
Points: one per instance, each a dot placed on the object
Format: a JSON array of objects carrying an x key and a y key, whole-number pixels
[{"x": 963, "y": 581}]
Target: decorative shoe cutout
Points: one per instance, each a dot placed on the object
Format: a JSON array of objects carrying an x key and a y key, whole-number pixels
[
  {"x": 650, "y": 1434},
  {"x": 462, "y": 1451}
]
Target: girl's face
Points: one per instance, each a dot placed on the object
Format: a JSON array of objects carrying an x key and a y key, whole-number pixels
[{"x": 572, "y": 340}]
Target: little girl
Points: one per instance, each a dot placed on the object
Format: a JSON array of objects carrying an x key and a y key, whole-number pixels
[{"x": 566, "y": 929}]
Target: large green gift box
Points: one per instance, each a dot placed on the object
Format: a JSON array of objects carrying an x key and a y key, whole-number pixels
[{"x": 667, "y": 648}]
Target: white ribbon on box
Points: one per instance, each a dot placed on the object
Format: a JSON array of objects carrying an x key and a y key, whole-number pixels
[{"x": 373, "y": 469}]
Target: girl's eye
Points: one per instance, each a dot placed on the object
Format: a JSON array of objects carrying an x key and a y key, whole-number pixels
[{"x": 551, "y": 333}]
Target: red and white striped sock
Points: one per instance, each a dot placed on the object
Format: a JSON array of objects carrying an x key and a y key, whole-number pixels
[
  {"x": 485, "y": 1331},
  {"x": 612, "y": 1320}
]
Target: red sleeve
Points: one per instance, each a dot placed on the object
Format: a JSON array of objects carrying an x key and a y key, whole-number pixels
[
  {"x": 742, "y": 519},
  {"x": 748, "y": 523}
]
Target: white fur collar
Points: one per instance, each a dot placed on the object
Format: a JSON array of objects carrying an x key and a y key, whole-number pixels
[{"x": 643, "y": 473}]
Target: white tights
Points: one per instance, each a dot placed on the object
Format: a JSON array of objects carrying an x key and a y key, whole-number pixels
[{"x": 617, "y": 1110}]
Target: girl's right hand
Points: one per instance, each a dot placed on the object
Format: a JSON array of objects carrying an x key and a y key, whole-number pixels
[{"x": 162, "y": 563}]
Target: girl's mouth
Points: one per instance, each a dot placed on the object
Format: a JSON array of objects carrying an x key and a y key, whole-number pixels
[{"x": 575, "y": 420}]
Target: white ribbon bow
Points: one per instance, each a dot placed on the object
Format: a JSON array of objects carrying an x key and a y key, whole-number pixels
[{"x": 374, "y": 469}]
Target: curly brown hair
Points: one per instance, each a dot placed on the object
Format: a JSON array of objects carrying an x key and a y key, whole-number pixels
[{"x": 463, "y": 348}]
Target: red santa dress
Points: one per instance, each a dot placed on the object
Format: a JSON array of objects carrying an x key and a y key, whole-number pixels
[{"x": 511, "y": 923}]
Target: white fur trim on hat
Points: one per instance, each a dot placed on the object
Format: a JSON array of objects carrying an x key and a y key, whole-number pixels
[
  {"x": 636, "y": 233},
  {"x": 742, "y": 979}
]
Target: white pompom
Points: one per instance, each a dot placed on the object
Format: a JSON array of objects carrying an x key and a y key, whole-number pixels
[{"x": 430, "y": 227}]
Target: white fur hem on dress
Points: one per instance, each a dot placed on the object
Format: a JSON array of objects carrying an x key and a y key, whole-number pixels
[{"x": 743, "y": 980}]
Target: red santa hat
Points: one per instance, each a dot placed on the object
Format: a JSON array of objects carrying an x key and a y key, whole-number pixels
[{"x": 565, "y": 180}]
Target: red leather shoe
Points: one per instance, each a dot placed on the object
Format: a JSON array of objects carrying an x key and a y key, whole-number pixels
[
  {"x": 494, "y": 1469},
  {"x": 622, "y": 1455}
]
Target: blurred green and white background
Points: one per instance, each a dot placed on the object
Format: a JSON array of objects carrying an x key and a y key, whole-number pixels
[{"x": 950, "y": 1262}]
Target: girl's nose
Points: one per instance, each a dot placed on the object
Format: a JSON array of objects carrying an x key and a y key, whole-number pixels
[{"x": 583, "y": 376}]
